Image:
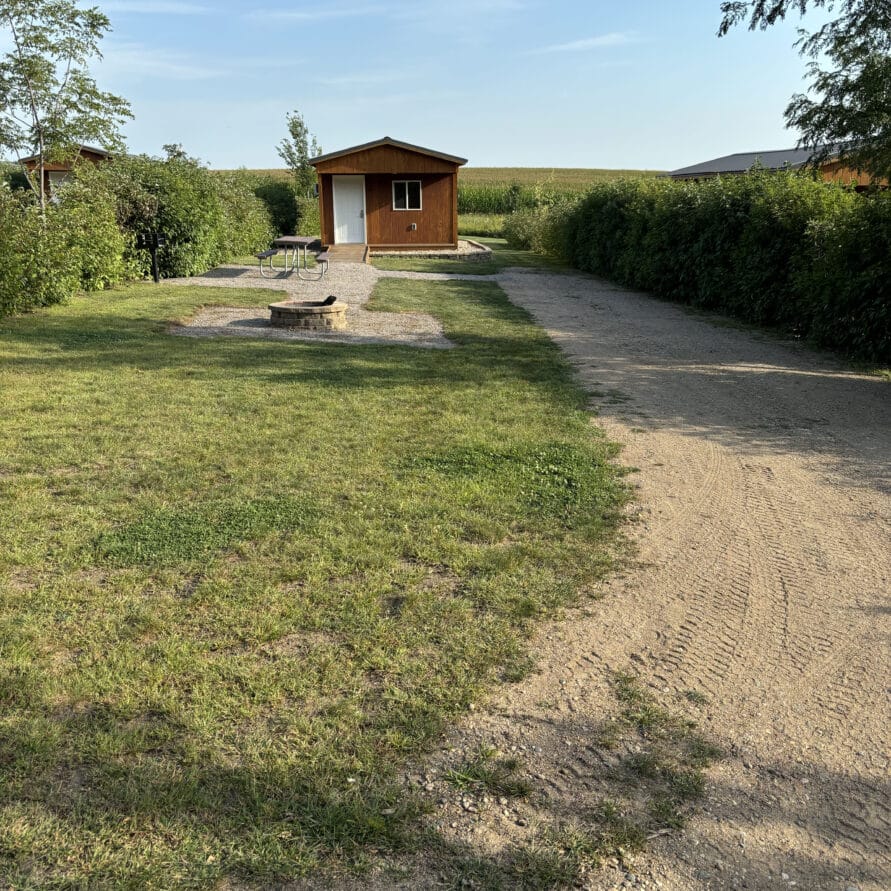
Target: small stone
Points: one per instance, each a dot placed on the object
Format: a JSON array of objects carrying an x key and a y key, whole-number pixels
[
  {"x": 521, "y": 821},
  {"x": 388, "y": 811},
  {"x": 502, "y": 801}
]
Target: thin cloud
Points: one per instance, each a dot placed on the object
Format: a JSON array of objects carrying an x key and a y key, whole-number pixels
[
  {"x": 602, "y": 41},
  {"x": 133, "y": 59},
  {"x": 358, "y": 80},
  {"x": 318, "y": 14},
  {"x": 466, "y": 16},
  {"x": 155, "y": 7}
]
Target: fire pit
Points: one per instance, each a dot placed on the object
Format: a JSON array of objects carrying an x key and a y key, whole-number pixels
[{"x": 316, "y": 315}]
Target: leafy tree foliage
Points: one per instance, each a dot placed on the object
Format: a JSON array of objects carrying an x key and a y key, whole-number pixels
[
  {"x": 296, "y": 151},
  {"x": 49, "y": 103},
  {"x": 848, "y": 111}
]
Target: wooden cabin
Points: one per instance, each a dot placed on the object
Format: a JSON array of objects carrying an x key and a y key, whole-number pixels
[
  {"x": 389, "y": 195},
  {"x": 831, "y": 170},
  {"x": 55, "y": 173}
]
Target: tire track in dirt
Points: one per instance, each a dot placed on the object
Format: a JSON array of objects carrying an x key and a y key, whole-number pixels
[{"x": 761, "y": 581}]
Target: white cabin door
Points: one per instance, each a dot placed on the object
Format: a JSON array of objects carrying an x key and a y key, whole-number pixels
[{"x": 349, "y": 209}]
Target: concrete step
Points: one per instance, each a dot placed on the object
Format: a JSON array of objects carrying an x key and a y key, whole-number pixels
[{"x": 348, "y": 253}]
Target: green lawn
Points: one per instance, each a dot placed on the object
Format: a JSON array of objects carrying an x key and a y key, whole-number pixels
[
  {"x": 503, "y": 256},
  {"x": 476, "y": 224},
  {"x": 243, "y": 580}
]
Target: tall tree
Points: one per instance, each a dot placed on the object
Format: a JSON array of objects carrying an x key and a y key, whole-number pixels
[
  {"x": 847, "y": 111},
  {"x": 296, "y": 150},
  {"x": 49, "y": 103}
]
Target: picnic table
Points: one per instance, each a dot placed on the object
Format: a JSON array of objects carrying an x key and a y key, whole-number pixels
[{"x": 295, "y": 243}]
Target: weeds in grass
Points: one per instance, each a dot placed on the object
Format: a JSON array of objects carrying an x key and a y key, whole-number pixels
[
  {"x": 658, "y": 778},
  {"x": 673, "y": 756},
  {"x": 486, "y": 224},
  {"x": 696, "y": 697},
  {"x": 174, "y": 535},
  {"x": 489, "y": 772}
]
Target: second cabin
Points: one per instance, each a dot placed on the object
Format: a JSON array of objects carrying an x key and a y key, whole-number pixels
[{"x": 389, "y": 195}]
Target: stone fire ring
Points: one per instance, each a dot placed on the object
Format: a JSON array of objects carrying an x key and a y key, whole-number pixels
[{"x": 314, "y": 315}]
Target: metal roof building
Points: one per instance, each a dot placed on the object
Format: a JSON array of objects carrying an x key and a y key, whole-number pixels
[{"x": 741, "y": 162}]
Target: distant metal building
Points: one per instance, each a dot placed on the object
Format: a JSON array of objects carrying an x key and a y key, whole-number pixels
[{"x": 782, "y": 159}]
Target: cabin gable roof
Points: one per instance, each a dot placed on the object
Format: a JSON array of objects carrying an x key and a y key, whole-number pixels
[{"x": 387, "y": 154}]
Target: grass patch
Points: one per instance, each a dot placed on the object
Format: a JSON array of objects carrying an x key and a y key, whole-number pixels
[
  {"x": 658, "y": 779},
  {"x": 485, "y": 224},
  {"x": 503, "y": 257},
  {"x": 668, "y": 755},
  {"x": 489, "y": 773},
  {"x": 243, "y": 580},
  {"x": 184, "y": 534}
]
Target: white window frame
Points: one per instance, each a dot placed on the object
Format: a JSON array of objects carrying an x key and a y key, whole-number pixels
[{"x": 420, "y": 196}]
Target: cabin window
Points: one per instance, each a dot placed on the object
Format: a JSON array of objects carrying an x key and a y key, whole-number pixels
[{"x": 407, "y": 194}]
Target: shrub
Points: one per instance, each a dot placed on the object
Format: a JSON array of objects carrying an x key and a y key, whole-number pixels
[
  {"x": 86, "y": 215},
  {"x": 308, "y": 220},
  {"x": 246, "y": 226},
  {"x": 539, "y": 229},
  {"x": 44, "y": 260},
  {"x": 777, "y": 249},
  {"x": 206, "y": 218},
  {"x": 848, "y": 274},
  {"x": 281, "y": 202}
]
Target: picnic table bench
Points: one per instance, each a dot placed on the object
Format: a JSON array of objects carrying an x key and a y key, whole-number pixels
[
  {"x": 267, "y": 255},
  {"x": 296, "y": 243}
]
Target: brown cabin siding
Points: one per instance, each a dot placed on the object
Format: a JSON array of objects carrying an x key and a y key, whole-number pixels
[
  {"x": 836, "y": 172},
  {"x": 386, "y": 159},
  {"x": 326, "y": 208},
  {"x": 84, "y": 154},
  {"x": 437, "y": 221},
  {"x": 386, "y": 226}
]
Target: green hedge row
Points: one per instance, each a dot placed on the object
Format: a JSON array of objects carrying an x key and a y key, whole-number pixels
[
  {"x": 76, "y": 246},
  {"x": 291, "y": 214},
  {"x": 87, "y": 238},
  {"x": 774, "y": 249},
  {"x": 206, "y": 218}
]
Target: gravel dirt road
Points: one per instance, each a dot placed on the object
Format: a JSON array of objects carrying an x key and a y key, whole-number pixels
[{"x": 761, "y": 581}]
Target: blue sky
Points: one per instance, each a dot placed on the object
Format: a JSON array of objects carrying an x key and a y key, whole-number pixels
[{"x": 550, "y": 83}]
